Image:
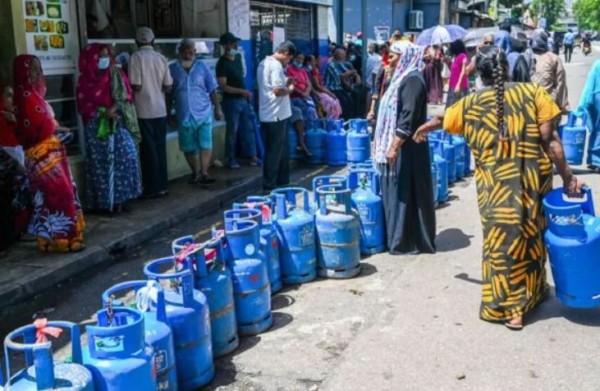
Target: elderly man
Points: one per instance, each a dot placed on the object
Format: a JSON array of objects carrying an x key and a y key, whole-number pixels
[
  {"x": 236, "y": 101},
  {"x": 488, "y": 40},
  {"x": 344, "y": 81},
  {"x": 195, "y": 97},
  {"x": 275, "y": 111},
  {"x": 150, "y": 77}
]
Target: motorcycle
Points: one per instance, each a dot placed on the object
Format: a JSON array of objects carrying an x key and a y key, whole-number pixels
[{"x": 587, "y": 48}]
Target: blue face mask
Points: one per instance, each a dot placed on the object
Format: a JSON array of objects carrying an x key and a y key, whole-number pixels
[
  {"x": 352, "y": 58},
  {"x": 233, "y": 52},
  {"x": 297, "y": 64},
  {"x": 309, "y": 67},
  {"x": 103, "y": 62}
]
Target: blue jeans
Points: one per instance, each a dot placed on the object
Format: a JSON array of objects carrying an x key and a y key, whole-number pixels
[
  {"x": 593, "y": 151},
  {"x": 237, "y": 118}
]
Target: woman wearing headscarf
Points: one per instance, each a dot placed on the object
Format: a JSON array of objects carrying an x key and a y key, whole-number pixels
[
  {"x": 383, "y": 80},
  {"x": 57, "y": 220},
  {"x": 405, "y": 169},
  {"x": 433, "y": 74},
  {"x": 105, "y": 102},
  {"x": 590, "y": 106},
  {"x": 509, "y": 128},
  {"x": 548, "y": 71}
]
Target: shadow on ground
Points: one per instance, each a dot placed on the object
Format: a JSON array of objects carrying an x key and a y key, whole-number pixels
[{"x": 452, "y": 239}]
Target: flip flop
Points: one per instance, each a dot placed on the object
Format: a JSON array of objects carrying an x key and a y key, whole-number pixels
[{"x": 514, "y": 327}]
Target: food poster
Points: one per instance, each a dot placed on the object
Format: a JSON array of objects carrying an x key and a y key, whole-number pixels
[{"x": 48, "y": 30}]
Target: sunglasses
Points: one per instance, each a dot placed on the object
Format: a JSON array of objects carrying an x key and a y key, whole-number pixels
[{"x": 488, "y": 43}]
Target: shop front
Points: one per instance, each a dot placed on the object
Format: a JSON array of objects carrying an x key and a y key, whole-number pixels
[{"x": 56, "y": 30}]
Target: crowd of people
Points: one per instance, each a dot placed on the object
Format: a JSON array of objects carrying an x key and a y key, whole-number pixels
[
  {"x": 125, "y": 111},
  {"x": 507, "y": 99}
]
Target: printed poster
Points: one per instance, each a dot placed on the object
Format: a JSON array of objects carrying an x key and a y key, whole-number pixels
[{"x": 48, "y": 30}]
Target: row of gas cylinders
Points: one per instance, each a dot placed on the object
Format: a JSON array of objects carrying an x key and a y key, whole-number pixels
[
  {"x": 450, "y": 159},
  {"x": 333, "y": 142},
  {"x": 196, "y": 303}
]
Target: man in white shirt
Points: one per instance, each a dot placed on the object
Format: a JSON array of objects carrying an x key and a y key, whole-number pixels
[
  {"x": 373, "y": 65},
  {"x": 275, "y": 110},
  {"x": 150, "y": 78}
]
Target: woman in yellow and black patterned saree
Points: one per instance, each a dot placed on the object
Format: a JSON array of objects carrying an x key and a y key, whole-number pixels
[{"x": 509, "y": 128}]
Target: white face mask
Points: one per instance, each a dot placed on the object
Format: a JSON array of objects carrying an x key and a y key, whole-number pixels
[
  {"x": 233, "y": 52},
  {"x": 103, "y": 62}
]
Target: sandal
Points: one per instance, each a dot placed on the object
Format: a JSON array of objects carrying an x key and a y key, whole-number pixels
[
  {"x": 193, "y": 179},
  {"x": 514, "y": 326}
]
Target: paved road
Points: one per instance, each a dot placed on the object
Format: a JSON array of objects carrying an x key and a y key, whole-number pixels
[{"x": 406, "y": 323}]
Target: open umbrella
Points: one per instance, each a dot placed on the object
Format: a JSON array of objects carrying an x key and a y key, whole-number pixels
[
  {"x": 441, "y": 34},
  {"x": 474, "y": 37}
]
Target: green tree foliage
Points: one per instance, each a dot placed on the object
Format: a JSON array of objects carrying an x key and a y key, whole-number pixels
[
  {"x": 549, "y": 9},
  {"x": 587, "y": 13}
]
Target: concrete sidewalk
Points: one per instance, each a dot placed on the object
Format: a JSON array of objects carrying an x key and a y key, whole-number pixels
[{"x": 25, "y": 272}]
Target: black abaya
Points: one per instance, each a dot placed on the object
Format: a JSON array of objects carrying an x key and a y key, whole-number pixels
[{"x": 407, "y": 187}]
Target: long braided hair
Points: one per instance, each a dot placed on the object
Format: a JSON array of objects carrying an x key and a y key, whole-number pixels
[{"x": 492, "y": 67}]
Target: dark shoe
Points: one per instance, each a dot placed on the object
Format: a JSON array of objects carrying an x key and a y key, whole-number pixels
[
  {"x": 206, "y": 180},
  {"x": 193, "y": 179},
  {"x": 234, "y": 165}
]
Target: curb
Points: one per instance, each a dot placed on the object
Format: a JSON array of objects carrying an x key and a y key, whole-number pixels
[{"x": 70, "y": 265}]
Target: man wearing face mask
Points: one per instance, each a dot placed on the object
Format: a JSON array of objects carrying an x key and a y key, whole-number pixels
[
  {"x": 236, "y": 102},
  {"x": 195, "y": 98},
  {"x": 150, "y": 86}
]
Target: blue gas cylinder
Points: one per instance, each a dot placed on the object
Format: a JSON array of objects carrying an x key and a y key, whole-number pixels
[
  {"x": 338, "y": 234},
  {"x": 366, "y": 199},
  {"x": 442, "y": 177},
  {"x": 292, "y": 141},
  {"x": 242, "y": 213},
  {"x": 250, "y": 277},
  {"x": 447, "y": 151},
  {"x": 434, "y": 180},
  {"x": 336, "y": 143},
  {"x": 150, "y": 300},
  {"x": 117, "y": 354},
  {"x": 296, "y": 231},
  {"x": 212, "y": 277},
  {"x": 358, "y": 141},
  {"x": 573, "y": 242},
  {"x": 460, "y": 147},
  {"x": 269, "y": 234},
  {"x": 322, "y": 180},
  {"x": 573, "y": 139},
  {"x": 41, "y": 372},
  {"x": 316, "y": 142},
  {"x": 189, "y": 318}
]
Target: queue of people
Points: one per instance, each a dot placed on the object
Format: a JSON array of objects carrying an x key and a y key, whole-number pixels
[
  {"x": 486, "y": 115},
  {"x": 127, "y": 112}
]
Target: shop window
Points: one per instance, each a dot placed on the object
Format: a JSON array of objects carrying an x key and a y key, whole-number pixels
[{"x": 273, "y": 23}]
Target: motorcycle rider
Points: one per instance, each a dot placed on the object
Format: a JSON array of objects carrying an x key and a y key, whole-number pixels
[{"x": 586, "y": 44}]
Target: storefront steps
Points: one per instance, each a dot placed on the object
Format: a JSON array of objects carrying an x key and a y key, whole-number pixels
[{"x": 25, "y": 272}]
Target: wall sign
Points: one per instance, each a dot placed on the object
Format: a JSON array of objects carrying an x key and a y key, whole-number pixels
[
  {"x": 48, "y": 31},
  {"x": 238, "y": 20}
]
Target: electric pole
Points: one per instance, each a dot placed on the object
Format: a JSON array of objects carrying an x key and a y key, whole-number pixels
[{"x": 443, "y": 12}]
